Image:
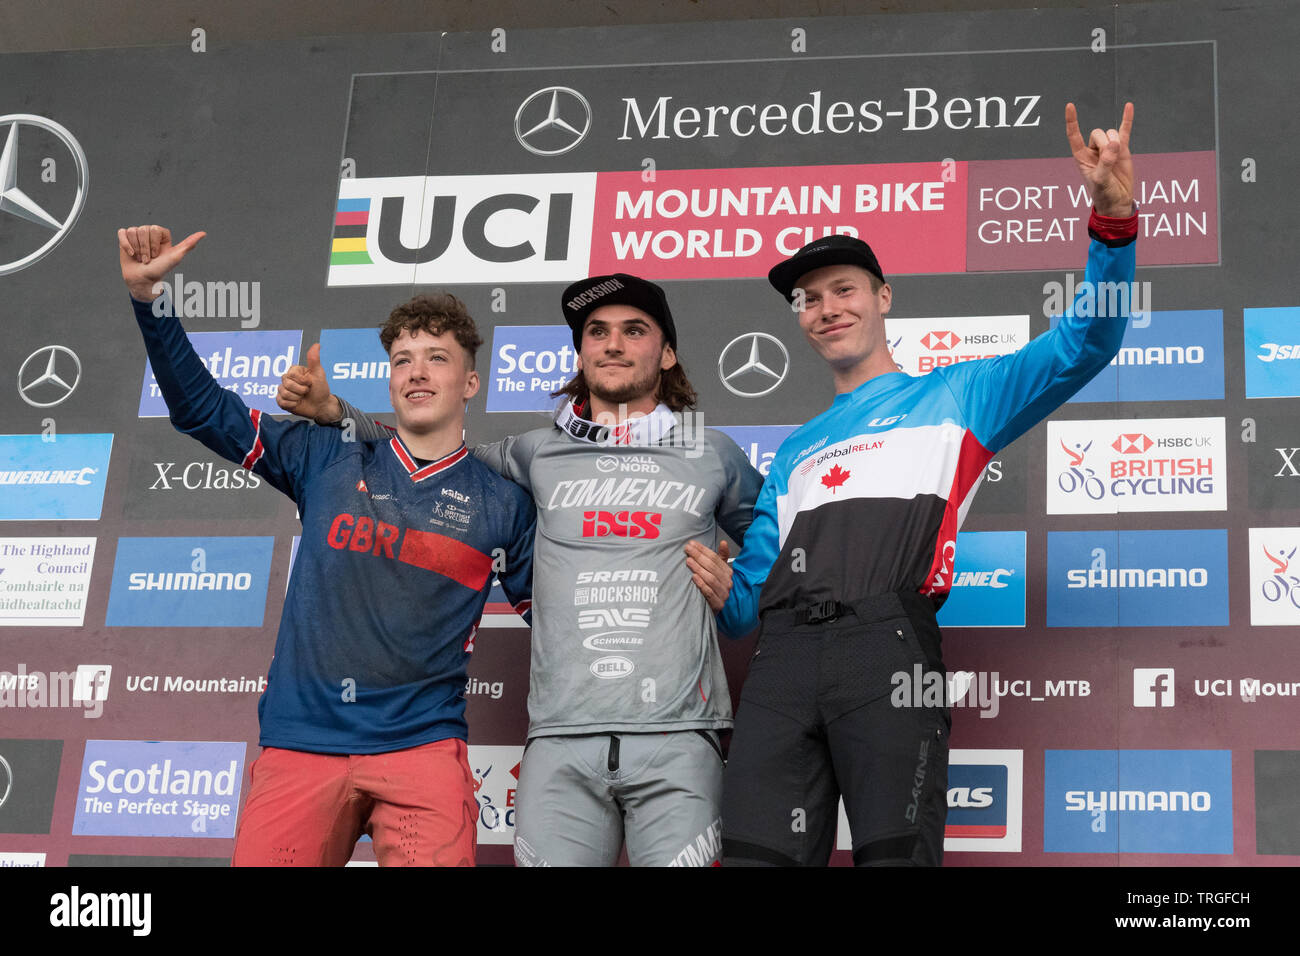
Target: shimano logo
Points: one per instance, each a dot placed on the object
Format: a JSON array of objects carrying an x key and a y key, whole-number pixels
[
  {"x": 1140, "y": 800},
  {"x": 361, "y": 370},
  {"x": 1137, "y": 578},
  {"x": 1161, "y": 355},
  {"x": 190, "y": 581}
]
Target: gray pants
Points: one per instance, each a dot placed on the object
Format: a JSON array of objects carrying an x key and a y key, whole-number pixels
[{"x": 580, "y": 798}]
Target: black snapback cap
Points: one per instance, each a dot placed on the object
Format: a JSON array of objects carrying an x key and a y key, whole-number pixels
[
  {"x": 828, "y": 251},
  {"x": 586, "y": 295}
]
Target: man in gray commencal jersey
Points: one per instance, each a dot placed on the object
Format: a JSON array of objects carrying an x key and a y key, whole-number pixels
[{"x": 627, "y": 688}]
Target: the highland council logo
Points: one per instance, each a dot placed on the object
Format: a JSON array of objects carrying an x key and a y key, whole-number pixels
[
  {"x": 552, "y": 121},
  {"x": 753, "y": 364},
  {"x": 15, "y": 202}
]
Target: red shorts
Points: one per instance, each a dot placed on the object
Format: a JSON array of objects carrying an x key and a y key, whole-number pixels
[{"x": 307, "y": 809}]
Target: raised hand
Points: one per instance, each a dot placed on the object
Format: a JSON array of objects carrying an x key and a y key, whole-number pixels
[
  {"x": 305, "y": 391},
  {"x": 147, "y": 255},
  {"x": 710, "y": 572},
  {"x": 1105, "y": 162}
]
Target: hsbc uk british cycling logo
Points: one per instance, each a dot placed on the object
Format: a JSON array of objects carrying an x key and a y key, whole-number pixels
[
  {"x": 1078, "y": 477},
  {"x": 54, "y": 216},
  {"x": 552, "y": 121},
  {"x": 1172, "y": 464},
  {"x": 1274, "y": 576},
  {"x": 940, "y": 341}
]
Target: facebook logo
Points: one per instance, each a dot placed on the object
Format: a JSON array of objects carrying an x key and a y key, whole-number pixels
[
  {"x": 91, "y": 682},
  {"x": 1153, "y": 687}
]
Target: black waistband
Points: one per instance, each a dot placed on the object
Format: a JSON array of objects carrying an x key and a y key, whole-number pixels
[{"x": 878, "y": 607}]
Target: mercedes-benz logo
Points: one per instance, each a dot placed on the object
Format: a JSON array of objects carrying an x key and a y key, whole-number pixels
[
  {"x": 552, "y": 121},
  {"x": 45, "y": 387},
  {"x": 751, "y": 377},
  {"x": 17, "y": 203},
  {"x": 6, "y": 780}
]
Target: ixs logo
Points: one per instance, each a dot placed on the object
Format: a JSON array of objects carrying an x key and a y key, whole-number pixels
[
  {"x": 1272, "y": 347},
  {"x": 923, "y": 345},
  {"x": 1101, "y": 467},
  {"x": 988, "y": 584},
  {"x": 47, "y": 480},
  {"x": 159, "y": 788},
  {"x": 529, "y": 362},
  {"x": 984, "y": 801},
  {"x": 759, "y": 442},
  {"x": 439, "y": 229},
  {"x": 1137, "y": 801},
  {"x": 621, "y": 524},
  {"x": 1174, "y": 356},
  {"x": 1137, "y": 578},
  {"x": 1274, "y": 576},
  {"x": 247, "y": 363},
  {"x": 190, "y": 582}
]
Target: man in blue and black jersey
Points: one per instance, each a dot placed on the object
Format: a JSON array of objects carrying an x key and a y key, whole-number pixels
[
  {"x": 363, "y": 719},
  {"x": 850, "y": 553}
]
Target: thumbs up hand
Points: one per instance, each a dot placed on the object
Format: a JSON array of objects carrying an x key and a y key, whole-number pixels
[{"x": 304, "y": 391}]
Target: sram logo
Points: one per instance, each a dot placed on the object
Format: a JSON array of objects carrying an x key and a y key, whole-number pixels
[{"x": 621, "y": 524}]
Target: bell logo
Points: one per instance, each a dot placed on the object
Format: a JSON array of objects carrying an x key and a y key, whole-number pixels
[
  {"x": 1132, "y": 444},
  {"x": 940, "y": 340}
]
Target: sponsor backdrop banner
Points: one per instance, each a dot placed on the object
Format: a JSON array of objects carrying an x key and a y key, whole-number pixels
[{"x": 1120, "y": 634}]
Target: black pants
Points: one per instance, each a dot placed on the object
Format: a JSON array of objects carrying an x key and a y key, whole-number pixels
[{"x": 819, "y": 717}]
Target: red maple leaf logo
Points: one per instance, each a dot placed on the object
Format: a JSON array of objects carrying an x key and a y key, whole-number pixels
[{"x": 835, "y": 477}]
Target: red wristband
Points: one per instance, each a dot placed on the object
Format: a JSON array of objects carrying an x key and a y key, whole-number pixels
[{"x": 1109, "y": 228}]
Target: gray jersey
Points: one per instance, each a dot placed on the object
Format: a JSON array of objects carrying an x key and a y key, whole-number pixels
[{"x": 622, "y": 638}]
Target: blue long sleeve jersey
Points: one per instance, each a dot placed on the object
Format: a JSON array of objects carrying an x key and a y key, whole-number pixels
[
  {"x": 392, "y": 572},
  {"x": 867, "y": 497}
]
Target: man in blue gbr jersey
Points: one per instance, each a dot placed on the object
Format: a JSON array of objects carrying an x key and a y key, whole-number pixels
[
  {"x": 363, "y": 718},
  {"x": 850, "y": 553}
]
